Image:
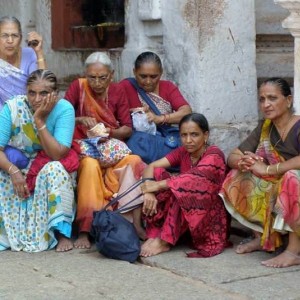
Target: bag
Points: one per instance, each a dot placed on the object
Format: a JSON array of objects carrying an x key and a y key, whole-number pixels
[
  {"x": 107, "y": 151},
  {"x": 16, "y": 157},
  {"x": 151, "y": 148},
  {"x": 140, "y": 123},
  {"x": 116, "y": 237}
]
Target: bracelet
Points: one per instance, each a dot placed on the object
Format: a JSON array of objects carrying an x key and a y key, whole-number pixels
[
  {"x": 268, "y": 167},
  {"x": 164, "y": 120},
  {"x": 41, "y": 59},
  {"x": 167, "y": 118},
  {"x": 10, "y": 167},
  {"x": 42, "y": 128},
  {"x": 277, "y": 168},
  {"x": 15, "y": 172}
]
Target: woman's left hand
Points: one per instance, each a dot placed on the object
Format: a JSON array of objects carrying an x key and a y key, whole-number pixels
[
  {"x": 46, "y": 107},
  {"x": 34, "y": 37},
  {"x": 259, "y": 168},
  {"x": 149, "y": 205}
]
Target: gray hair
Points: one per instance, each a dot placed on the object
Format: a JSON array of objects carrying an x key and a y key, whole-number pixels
[
  {"x": 9, "y": 19},
  {"x": 99, "y": 57}
]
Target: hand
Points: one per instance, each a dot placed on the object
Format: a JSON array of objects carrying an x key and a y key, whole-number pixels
[
  {"x": 248, "y": 160},
  {"x": 88, "y": 122},
  {"x": 46, "y": 107},
  {"x": 149, "y": 205},
  {"x": 259, "y": 168},
  {"x": 20, "y": 186},
  {"x": 35, "y": 41}
]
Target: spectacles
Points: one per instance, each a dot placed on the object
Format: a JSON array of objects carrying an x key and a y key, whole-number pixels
[
  {"x": 13, "y": 36},
  {"x": 94, "y": 79}
]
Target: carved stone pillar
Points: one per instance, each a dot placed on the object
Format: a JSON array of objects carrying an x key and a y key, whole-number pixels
[{"x": 292, "y": 23}]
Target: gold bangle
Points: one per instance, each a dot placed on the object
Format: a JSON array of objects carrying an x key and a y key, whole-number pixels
[
  {"x": 41, "y": 59},
  {"x": 42, "y": 128},
  {"x": 268, "y": 167},
  {"x": 277, "y": 168}
]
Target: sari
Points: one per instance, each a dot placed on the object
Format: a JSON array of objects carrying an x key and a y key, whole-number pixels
[
  {"x": 30, "y": 224},
  {"x": 13, "y": 82},
  {"x": 192, "y": 203},
  {"x": 267, "y": 204},
  {"x": 97, "y": 185}
]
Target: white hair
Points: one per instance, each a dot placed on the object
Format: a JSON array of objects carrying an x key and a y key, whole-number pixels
[{"x": 98, "y": 57}]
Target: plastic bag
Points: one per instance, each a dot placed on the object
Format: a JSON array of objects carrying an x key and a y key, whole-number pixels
[{"x": 140, "y": 123}]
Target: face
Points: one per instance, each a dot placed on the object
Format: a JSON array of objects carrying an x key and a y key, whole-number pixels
[
  {"x": 192, "y": 137},
  {"x": 148, "y": 76},
  {"x": 37, "y": 92},
  {"x": 98, "y": 77},
  {"x": 10, "y": 39},
  {"x": 272, "y": 103}
]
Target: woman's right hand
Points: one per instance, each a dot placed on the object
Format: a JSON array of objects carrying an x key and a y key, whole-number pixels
[
  {"x": 88, "y": 122},
  {"x": 20, "y": 186},
  {"x": 150, "y": 204}
]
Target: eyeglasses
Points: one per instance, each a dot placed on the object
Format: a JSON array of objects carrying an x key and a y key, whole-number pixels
[
  {"x": 13, "y": 36},
  {"x": 101, "y": 79}
]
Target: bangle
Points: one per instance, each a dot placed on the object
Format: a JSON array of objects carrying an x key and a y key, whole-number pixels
[
  {"x": 42, "y": 128},
  {"x": 14, "y": 172},
  {"x": 40, "y": 60},
  {"x": 268, "y": 167},
  {"x": 167, "y": 118},
  {"x": 277, "y": 168},
  {"x": 164, "y": 120},
  {"x": 10, "y": 167}
]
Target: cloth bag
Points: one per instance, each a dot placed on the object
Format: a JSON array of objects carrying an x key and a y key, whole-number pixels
[
  {"x": 116, "y": 237},
  {"x": 107, "y": 151},
  {"x": 16, "y": 157},
  {"x": 152, "y": 147}
]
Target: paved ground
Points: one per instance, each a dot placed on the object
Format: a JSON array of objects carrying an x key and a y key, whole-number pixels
[{"x": 80, "y": 274}]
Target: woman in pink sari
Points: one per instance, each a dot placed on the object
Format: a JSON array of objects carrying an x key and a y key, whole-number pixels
[{"x": 188, "y": 201}]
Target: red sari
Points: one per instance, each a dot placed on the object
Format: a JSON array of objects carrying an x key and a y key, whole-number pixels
[{"x": 192, "y": 203}]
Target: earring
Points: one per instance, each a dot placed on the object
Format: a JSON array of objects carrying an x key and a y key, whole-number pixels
[{"x": 289, "y": 106}]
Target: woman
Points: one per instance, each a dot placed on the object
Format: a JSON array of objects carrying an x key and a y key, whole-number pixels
[
  {"x": 188, "y": 201},
  {"x": 262, "y": 190},
  {"x": 37, "y": 202},
  {"x": 96, "y": 99},
  {"x": 164, "y": 94},
  {"x": 17, "y": 63}
]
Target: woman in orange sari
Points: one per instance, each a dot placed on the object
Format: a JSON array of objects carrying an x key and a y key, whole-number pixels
[{"x": 97, "y": 100}]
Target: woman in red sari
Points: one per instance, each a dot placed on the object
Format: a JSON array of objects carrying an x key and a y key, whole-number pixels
[
  {"x": 97, "y": 100},
  {"x": 188, "y": 201}
]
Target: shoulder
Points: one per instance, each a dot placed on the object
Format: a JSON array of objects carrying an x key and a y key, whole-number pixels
[
  {"x": 167, "y": 84},
  {"x": 214, "y": 150},
  {"x": 63, "y": 107},
  {"x": 28, "y": 52}
]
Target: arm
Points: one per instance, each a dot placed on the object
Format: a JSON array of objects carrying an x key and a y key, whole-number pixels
[
  {"x": 38, "y": 49},
  {"x": 150, "y": 187},
  {"x": 121, "y": 133},
  {"x": 64, "y": 126}
]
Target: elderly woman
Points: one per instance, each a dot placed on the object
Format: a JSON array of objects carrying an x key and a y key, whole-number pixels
[
  {"x": 188, "y": 201},
  {"x": 262, "y": 190},
  {"x": 37, "y": 202},
  {"x": 16, "y": 62},
  {"x": 163, "y": 93},
  {"x": 97, "y": 100}
]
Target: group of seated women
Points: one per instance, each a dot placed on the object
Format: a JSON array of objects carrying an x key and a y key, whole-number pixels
[{"x": 41, "y": 166}]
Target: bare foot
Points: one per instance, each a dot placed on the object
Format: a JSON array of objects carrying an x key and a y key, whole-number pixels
[
  {"x": 283, "y": 260},
  {"x": 64, "y": 244},
  {"x": 253, "y": 245},
  {"x": 83, "y": 241},
  {"x": 154, "y": 247}
]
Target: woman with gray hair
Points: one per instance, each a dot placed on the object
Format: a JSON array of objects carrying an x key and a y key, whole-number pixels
[{"x": 97, "y": 100}]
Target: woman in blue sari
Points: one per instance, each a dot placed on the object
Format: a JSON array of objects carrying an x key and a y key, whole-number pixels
[{"x": 37, "y": 201}]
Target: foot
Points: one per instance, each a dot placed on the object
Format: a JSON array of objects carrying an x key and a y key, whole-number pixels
[
  {"x": 283, "y": 260},
  {"x": 83, "y": 241},
  {"x": 253, "y": 245},
  {"x": 64, "y": 244},
  {"x": 153, "y": 247}
]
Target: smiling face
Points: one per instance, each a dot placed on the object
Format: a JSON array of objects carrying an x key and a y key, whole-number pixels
[
  {"x": 147, "y": 76},
  {"x": 98, "y": 76},
  {"x": 10, "y": 39},
  {"x": 272, "y": 102},
  {"x": 37, "y": 92},
  {"x": 193, "y": 138}
]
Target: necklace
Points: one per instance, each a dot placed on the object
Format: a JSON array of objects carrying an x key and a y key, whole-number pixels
[{"x": 282, "y": 134}]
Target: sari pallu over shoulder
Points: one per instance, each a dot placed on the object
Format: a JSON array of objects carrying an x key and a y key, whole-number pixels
[{"x": 13, "y": 82}]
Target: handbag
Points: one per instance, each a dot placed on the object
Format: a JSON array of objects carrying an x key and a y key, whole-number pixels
[
  {"x": 150, "y": 147},
  {"x": 107, "y": 151},
  {"x": 115, "y": 236},
  {"x": 16, "y": 157}
]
